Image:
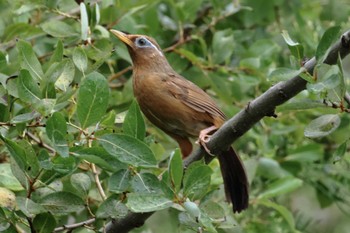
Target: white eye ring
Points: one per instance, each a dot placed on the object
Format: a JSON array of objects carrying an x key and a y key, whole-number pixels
[{"x": 142, "y": 42}]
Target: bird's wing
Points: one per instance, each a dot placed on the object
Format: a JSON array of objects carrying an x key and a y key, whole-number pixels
[{"x": 193, "y": 96}]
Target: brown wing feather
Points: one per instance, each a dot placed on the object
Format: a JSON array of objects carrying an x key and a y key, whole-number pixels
[{"x": 193, "y": 96}]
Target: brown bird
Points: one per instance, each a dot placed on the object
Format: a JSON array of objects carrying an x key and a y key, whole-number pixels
[{"x": 181, "y": 109}]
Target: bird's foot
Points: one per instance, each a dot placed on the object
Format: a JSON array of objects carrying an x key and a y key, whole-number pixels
[{"x": 204, "y": 138}]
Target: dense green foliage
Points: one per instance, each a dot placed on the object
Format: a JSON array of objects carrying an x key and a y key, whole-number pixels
[{"x": 74, "y": 146}]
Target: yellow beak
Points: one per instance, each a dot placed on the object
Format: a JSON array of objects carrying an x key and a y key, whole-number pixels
[{"x": 123, "y": 37}]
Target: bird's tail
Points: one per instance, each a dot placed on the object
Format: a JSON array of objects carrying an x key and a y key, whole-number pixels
[{"x": 235, "y": 180}]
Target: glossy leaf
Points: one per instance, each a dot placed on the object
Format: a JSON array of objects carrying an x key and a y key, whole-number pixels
[
  {"x": 7, "y": 179},
  {"x": 84, "y": 22},
  {"x": 28, "y": 89},
  {"x": 59, "y": 29},
  {"x": 80, "y": 59},
  {"x": 56, "y": 129},
  {"x": 92, "y": 99},
  {"x": 146, "y": 183},
  {"x": 44, "y": 222},
  {"x": 112, "y": 208},
  {"x": 61, "y": 74},
  {"x": 120, "y": 181},
  {"x": 62, "y": 203},
  {"x": 81, "y": 182},
  {"x": 322, "y": 126},
  {"x": 29, "y": 207},
  {"x": 295, "y": 48},
  {"x": 196, "y": 180},
  {"x": 328, "y": 38},
  {"x": 144, "y": 202},
  {"x": 58, "y": 53},
  {"x": 29, "y": 61},
  {"x": 128, "y": 150},
  {"x": 134, "y": 125},
  {"x": 175, "y": 170},
  {"x": 282, "y": 74},
  {"x": 24, "y": 156}
]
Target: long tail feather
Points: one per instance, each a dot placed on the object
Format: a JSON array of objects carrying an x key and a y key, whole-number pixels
[{"x": 235, "y": 180}]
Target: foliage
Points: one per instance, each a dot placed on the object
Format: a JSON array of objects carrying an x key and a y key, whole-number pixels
[{"x": 74, "y": 145}]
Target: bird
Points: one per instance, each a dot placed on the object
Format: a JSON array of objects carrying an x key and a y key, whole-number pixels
[{"x": 181, "y": 109}]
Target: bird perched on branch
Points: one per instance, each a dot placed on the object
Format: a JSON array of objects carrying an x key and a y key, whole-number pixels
[{"x": 181, "y": 109}]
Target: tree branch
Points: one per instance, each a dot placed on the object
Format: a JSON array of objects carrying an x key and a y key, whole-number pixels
[{"x": 235, "y": 127}]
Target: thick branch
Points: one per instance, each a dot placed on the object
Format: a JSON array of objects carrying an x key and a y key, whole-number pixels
[
  {"x": 265, "y": 104},
  {"x": 234, "y": 128}
]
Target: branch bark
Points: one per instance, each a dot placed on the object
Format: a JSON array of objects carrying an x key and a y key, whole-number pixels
[{"x": 235, "y": 127}]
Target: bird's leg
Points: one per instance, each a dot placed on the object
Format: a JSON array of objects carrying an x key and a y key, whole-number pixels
[{"x": 204, "y": 138}]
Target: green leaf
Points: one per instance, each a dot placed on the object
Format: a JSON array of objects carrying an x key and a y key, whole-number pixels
[
  {"x": 300, "y": 104},
  {"x": 189, "y": 55},
  {"x": 28, "y": 89},
  {"x": 25, "y": 117},
  {"x": 81, "y": 182},
  {"x": 222, "y": 45},
  {"x": 93, "y": 97},
  {"x": 100, "y": 157},
  {"x": 328, "y": 38},
  {"x": 295, "y": 48},
  {"x": 286, "y": 214},
  {"x": 339, "y": 153},
  {"x": 5, "y": 226},
  {"x": 57, "y": 28},
  {"x": 119, "y": 181},
  {"x": 7, "y": 179},
  {"x": 196, "y": 180},
  {"x": 280, "y": 187},
  {"x": 282, "y": 74},
  {"x": 322, "y": 126},
  {"x": 146, "y": 183},
  {"x": 128, "y": 150},
  {"x": 19, "y": 174},
  {"x": 62, "y": 74},
  {"x": 175, "y": 170},
  {"x": 134, "y": 124},
  {"x": 58, "y": 53},
  {"x": 29, "y": 61},
  {"x": 64, "y": 165},
  {"x": 44, "y": 223},
  {"x": 45, "y": 160},
  {"x": 84, "y": 22},
  {"x": 144, "y": 202},
  {"x": 80, "y": 59},
  {"x": 24, "y": 156},
  {"x": 213, "y": 209},
  {"x": 61, "y": 203},
  {"x": 29, "y": 207},
  {"x": 112, "y": 207},
  {"x": 56, "y": 129}
]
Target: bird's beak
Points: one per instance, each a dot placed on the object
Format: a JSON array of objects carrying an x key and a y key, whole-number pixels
[{"x": 123, "y": 37}]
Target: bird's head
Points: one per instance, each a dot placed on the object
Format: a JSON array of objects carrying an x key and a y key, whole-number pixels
[{"x": 143, "y": 50}]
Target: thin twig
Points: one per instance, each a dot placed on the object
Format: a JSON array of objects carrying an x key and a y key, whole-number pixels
[
  {"x": 120, "y": 73},
  {"x": 97, "y": 178},
  {"x": 40, "y": 142},
  {"x": 75, "y": 225}
]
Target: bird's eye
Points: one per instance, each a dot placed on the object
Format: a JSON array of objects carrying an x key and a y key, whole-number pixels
[{"x": 142, "y": 41}]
